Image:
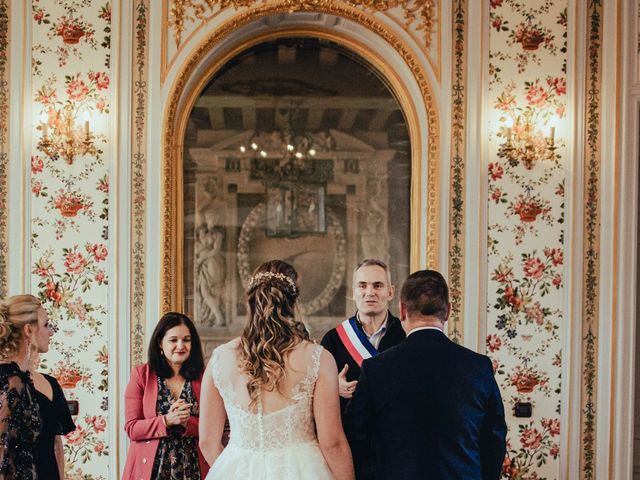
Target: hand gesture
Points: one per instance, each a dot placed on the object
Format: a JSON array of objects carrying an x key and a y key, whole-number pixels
[
  {"x": 345, "y": 388},
  {"x": 179, "y": 413}
]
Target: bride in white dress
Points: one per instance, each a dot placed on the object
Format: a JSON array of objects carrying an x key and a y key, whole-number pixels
[{"x": 279, "y": 391}]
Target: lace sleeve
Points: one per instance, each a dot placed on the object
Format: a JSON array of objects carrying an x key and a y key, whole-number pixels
[
  {"x": 315, "y": 362},
  {"x": 306, "y": 387},
  {"x": 215, "y": 367}
]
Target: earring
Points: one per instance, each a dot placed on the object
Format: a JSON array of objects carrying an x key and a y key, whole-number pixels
[{"x": 162, "y": 352}]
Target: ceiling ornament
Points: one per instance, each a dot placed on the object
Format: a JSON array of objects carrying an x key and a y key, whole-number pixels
[{"x": 418, "y": 14}]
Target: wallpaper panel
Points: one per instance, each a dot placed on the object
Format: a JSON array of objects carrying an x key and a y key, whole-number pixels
[
  {"x": 71, "y": 95},
  {"x": 4, "y": 144},
  {"x": 458, "y": 171},
  {"x": 525, "y": 308}
]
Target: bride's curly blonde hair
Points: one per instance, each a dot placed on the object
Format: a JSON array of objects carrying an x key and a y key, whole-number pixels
[{"x": 272, "y": 329}]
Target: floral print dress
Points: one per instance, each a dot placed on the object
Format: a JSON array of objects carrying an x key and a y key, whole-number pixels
[
  {"x": 20, "y": 424},
  {"x": 177, "y": 455}
]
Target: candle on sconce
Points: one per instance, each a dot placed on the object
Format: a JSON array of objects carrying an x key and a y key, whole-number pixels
[
  {"x": 552, "y": 135},
  {"x": 86, "y": 128},
  {"x": 508, "y": 134},
  {"x": 45, "y": 130}
]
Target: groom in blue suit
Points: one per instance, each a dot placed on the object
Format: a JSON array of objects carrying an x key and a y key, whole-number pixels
[{"x": 432, "y": 407}]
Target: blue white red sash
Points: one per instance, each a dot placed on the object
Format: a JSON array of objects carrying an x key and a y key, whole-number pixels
[{"x": 355, "y": 341}]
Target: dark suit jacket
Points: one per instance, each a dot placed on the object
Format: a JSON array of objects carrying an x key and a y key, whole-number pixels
[
  {"x": 331, "y": 341},
  {"x": 434, "y": 410}
]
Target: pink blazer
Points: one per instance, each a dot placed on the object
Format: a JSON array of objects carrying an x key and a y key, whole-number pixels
[{"x": 145, "y": 428}]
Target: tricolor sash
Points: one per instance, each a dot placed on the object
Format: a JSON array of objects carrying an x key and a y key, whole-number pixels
[{"x": 355, "y": 341}]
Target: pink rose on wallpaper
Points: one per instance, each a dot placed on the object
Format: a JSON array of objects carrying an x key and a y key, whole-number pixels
[
  {"x": 495, "y": 171},
  {"x": 533, "y": 268},
  {"x": 99, "y": 447},
  {"x": 494, "y": 365},
  {"x": 553, "y": 425},
  {"x": 77, "y": 436},
  {"x": 39, "y": 15},
  {"x": 554, "y": 451},
  {"x": 502, "y": 274},
  {"x": 103, "y": 184},
  {"x": 497, "y": 22},
  {"x": 534, "y": 313},
  {"x": 101, "y": 105},
  {"x": 536, "y": 96},
  {"x": 52, "y": 292},
  {"x": 495, "y": 3},
  {"x": 77, "y": 90},
  {"x": 560, "y": 110},
  {"x": 98, "y": 422},
  {"x": 557, "y": 280},
  {"x": 559, "y": 83},
  {"x": 37, "y": 165},
  {"x": 36, "y": 188},
  {"x": 531, "y": 438},
  {"x": 555, "y": 254},
  {"x": 43, "y": 268},
  {"x": 101, "y": 79},
  {"x": 100, "y": 276},
  {"x": 76, "y": 307},
  {"x": 493, "y": 342},
  {"x": 496, "y": 195},
  {"x": 99, "y": 251},
  {"x": 75, "y": 262}
]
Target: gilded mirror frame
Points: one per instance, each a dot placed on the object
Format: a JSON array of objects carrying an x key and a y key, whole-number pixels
[{"x": 181, "y": 103}]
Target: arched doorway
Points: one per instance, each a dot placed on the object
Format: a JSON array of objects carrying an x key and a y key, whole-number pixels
[{"x": 228, "y": 201}]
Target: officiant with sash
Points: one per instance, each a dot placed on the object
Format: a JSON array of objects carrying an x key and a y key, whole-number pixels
[{"x": 371, "y": 330}]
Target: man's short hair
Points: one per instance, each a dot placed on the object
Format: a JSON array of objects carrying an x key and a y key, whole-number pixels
[
  {"x": 374, "y": 262},
  {"x": 425, "y": 292}
]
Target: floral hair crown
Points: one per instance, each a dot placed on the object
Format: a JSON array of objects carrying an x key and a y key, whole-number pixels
[{"x": 259, "y": 277}]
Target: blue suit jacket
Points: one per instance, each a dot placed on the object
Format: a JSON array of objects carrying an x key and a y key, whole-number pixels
[{"x": 433, "y": 409}]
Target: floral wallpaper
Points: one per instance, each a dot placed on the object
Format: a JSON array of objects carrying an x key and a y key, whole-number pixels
[
  {"x": 70, "y": 243},
  {"x": 525, "y": 243}
]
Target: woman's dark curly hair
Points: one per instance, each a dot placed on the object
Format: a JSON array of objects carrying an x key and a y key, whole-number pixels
[{"x": 193, "y": 367}]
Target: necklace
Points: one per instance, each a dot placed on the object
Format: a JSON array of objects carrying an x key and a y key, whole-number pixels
[{"x": 175, "y": 385}]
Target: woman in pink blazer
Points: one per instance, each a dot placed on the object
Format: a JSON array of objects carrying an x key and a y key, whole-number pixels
[{"x": 162, "y": 406}]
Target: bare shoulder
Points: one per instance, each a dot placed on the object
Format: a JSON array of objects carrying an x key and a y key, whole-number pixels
[{"x": 327, "y": 362}]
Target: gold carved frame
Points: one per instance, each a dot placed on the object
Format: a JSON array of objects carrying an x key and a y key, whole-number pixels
[{"x": 175, "y": 122}]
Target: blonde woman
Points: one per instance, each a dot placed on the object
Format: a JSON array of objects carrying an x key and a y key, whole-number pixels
[
  {"x": 54, "y": 411},
  {"x": 22, "y": 320},
  {"x": 279, "y": 390}
]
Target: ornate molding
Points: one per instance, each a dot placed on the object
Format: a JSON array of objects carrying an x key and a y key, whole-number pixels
[
  {"x": 139, "y": 105},
  {"x": 458, "y": 171},
  {"x": 414, "y": 11},
  {"x": 4, "y": 147},
  {"x": 591, "y": 245},
  {"x": 172, "y": 145}
]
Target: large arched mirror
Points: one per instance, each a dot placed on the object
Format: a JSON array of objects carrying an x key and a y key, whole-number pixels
[{"x": 296, "y": 149}]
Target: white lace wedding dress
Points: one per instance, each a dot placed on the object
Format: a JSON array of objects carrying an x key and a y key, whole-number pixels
[{"x": 278, "y": 439}]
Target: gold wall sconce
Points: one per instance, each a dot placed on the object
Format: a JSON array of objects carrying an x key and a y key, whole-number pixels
[
  {"x": 63, "y": 138},
  {"x": 526, "y": 144}
]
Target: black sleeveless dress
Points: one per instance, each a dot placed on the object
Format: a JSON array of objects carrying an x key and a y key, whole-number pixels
[{"x": 56, "y": 420}]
